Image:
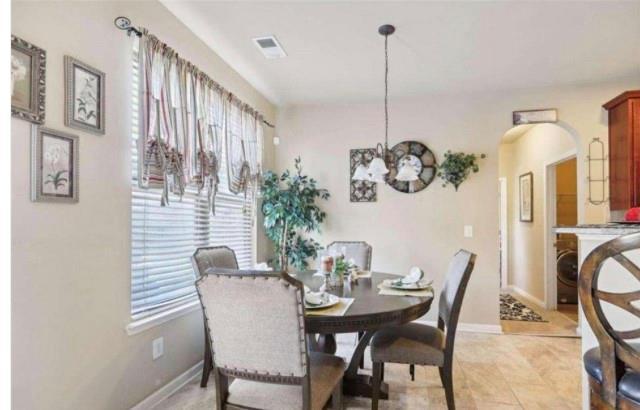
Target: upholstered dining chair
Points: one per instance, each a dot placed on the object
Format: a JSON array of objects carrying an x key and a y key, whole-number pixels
[
  {"x": 202, "y": 260},
  {"x": 359, "y": 251},
  {"x": 418, "y": 344},
  {"x": 258, "y": 338},
  {"x": 613, "y": 368}
]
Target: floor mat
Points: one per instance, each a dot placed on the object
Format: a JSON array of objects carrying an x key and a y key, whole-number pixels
[{"x": 512, "y": 309}]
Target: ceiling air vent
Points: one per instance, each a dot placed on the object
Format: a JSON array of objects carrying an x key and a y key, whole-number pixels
[{"x": 270, "y": 47}]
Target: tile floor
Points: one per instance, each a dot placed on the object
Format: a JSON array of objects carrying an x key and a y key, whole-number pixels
[{"x": 490, "y": 372}]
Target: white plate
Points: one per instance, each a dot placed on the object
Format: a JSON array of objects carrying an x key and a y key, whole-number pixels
[
  {"x": 410, "y": 286},
  {"x": 331, "y": 300}
]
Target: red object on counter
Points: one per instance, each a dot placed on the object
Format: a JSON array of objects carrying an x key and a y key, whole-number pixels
[{"x": 632, "y": 215}]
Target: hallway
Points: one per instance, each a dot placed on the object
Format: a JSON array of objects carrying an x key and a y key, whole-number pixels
[{"x": 562, "y": 322}]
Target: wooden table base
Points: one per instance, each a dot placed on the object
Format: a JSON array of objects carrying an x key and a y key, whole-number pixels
[
  {"x": 362, "y": 386},
  {"x": 354, "y": 384}
]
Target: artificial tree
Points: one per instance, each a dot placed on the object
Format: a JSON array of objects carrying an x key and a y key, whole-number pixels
[{"x": 290, "y": 211}]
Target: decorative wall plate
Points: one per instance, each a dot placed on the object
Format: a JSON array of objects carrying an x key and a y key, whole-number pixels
[
  {"x": 361, "y": 191},
  {"x": 421, "y": 158}
]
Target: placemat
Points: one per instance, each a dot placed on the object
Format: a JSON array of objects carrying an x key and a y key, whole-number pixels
[
  {"x": 366, "y": 274},
  {"x": 385, "y": 290},
  {"x": 336, "y": 310}
]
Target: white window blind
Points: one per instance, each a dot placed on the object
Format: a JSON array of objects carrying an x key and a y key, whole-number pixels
[{"x": 164, "y": 238}]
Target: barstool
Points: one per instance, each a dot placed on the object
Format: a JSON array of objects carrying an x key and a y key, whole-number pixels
[{"x": 614, "y": 366}]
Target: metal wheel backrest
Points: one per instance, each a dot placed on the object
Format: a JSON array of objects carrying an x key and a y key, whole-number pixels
[
  {"x": 614, "y": 346},
  {"x": 256, "y": 323},
  {"x": 359, "y": 251},
  {"x": 213, "y": 257},
  {"x": 452, "y": 293}
]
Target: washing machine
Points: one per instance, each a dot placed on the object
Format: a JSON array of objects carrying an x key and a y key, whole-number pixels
[{"x": 567, "y": 276}]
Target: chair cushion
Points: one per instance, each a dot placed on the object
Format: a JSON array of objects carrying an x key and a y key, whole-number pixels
[
  {"x": 326, "y": 373},
  {"x": 412, "y": 343},
  {"x": 629, "y": 386},
  {"x": 592, "y": 363}
]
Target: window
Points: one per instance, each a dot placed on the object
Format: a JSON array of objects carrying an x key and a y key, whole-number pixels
[{"x": 164, "y": 238}]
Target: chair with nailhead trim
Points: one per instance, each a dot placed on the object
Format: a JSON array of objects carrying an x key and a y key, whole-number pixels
[
  {"x": 258, "y": 338},
  {"x": 359, "y": 251},
  {"x": 202, "y": 260}
]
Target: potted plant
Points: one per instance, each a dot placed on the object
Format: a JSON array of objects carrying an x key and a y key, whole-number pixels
[
  {"x": 456, "y": 167},
  {"x": 290, "y": 210}
]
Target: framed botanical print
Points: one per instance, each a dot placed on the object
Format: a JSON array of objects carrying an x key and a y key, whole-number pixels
[
  {"x": 54, "y": 166},
  {"x": 28, "y": 64},
  {"x": 84, "y": 96},
  {"x": 526, "y": 197}
]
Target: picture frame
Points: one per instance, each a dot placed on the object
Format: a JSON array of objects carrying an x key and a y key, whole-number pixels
[
  {"x": 526, "y": 197},
  {"x": 54, "y": 166},
  {"x": 547, "y": 115},
  {"x": 84, "y": 96},
  {"x": 361, "y": 191},
  {"x": 28, "y": 80}
]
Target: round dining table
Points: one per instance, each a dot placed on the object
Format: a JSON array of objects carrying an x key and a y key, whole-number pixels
[{"x": 369, "y": 312}]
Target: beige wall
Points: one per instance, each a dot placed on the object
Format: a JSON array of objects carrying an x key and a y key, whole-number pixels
[
  {"x": 71, "y": 269},
  {"x": 426, "y": 228},
  {"x": 530, "y": 153}
]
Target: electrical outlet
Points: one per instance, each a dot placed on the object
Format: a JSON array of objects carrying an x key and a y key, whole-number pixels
[
  {"x": 157, "y": 347},
  {"x": 468, "y": 231}
]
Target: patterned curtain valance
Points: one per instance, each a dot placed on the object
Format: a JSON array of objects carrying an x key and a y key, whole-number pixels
[{"x": 188, "y": 121}]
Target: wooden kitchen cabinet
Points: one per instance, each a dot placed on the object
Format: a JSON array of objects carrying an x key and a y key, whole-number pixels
[{"x": 624, "y": 152}]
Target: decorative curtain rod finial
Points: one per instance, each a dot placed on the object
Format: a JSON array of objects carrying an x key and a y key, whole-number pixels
[{"x": 123, "y": 23}]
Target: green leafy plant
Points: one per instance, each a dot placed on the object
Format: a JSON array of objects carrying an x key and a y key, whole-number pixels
[
  {"x": 341, "y": 266},
  {"x": 290, "y": 211},
  {"x": 456, "y": 167}
]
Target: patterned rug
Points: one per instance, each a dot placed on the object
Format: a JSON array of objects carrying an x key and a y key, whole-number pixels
[{"x": 512, "y": 309}]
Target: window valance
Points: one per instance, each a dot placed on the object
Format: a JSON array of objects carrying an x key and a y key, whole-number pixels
[{"x": 187, "y": 122}]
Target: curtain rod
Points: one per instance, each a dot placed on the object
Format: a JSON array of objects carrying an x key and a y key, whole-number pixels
[{"x": 124, "y": 23}]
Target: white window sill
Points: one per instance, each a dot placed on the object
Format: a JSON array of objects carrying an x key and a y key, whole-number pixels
[{"x": 149, "y": 322}]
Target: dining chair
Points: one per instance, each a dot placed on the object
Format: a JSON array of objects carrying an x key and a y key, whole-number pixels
[
  {"x": 613, "y": 368},
  {"x": 418, "y": 344},
  {"x": 203, "y": 259},
  {"x": 258, "y": 338},
  {"x": 359, "y": 251}
]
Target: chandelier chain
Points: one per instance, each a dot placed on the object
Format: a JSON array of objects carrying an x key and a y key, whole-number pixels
[{"x": 386, "y": 91}]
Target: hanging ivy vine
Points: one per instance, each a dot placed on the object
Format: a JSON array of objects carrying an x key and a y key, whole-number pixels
[{"x": 457, "y": 166}]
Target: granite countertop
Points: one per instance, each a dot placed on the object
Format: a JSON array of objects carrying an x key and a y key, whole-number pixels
[{"x": 600, "y": 229}]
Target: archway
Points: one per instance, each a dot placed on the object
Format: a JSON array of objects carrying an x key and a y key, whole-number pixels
[{"x": 530, "y": 158}]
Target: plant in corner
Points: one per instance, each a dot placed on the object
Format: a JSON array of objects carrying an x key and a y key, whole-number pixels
[
  {"x": 456, "y": 167},
  {"x": 290, "y": 210}
]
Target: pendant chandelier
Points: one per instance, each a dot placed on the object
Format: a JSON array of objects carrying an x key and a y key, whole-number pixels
[{"x": 378, "y": 168}]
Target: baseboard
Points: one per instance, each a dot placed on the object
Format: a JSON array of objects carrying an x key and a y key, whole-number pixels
[
  {"x": 470, "y": 327},
  {"x": 528, "y": 296},
  {"x": 168, "y": 389}
]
